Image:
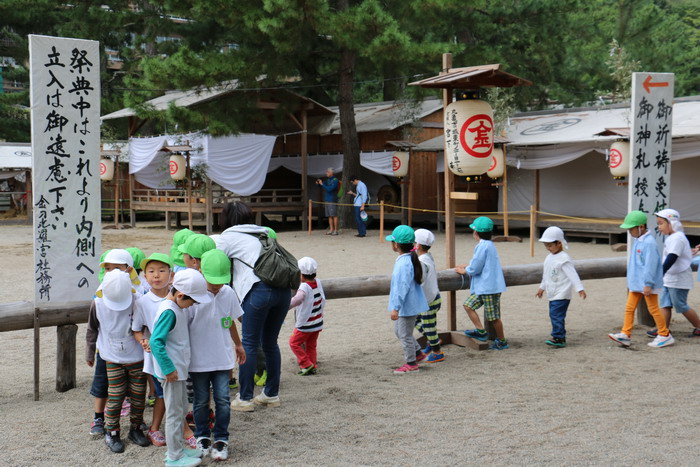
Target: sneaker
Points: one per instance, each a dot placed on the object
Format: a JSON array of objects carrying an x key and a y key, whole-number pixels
[
  {"x": 232, "y": 383},
  {"x": 157, "y": 438},
  {"x": 556, "y": 342},
  {"x": 653, "y": 333},
  {"x": 314, "y": 370},
  {"x": 406, "y": 368},
  {"x": 219, "y": 451},
  {"x": 241, "y": 405},
  {"x": 136, "y": 436},
  {"x": 97, "y": 428},
  {"x": 420, "y": 357},
  {"x": 310, "y": 370},
  {"x": 499, "y": 344},
  {"x": 204, "y": 445},
  {"x": 192, "y": 452},
  {"x": 436, "y": 357},
  {"x": 621, "y": 338},
  {"x": 478, "y": 334},
  {"x": 263, "y": 399},
  {"x": 126, "y": 408},
  {"x": 191, "y": 442},
  {"x": 695, "y": 333},
  {"x": 113, "y": 441},
  {"x": 151, "y": 400},
  {"x": 184, "y": 461},
  {"x": 427, "y": 349},
  {"x": 662, "y": 341},
  {"x": 262, "y": 379}
]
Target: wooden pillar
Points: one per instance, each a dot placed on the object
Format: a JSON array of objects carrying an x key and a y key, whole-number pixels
[
  {"x": 116, "y": 192},
  {"x": 189, "y": 191},
  {"x": 409, "y": 187},
  {"x": 449, "y": 208},
  {"x": 439, "y": 199},
  {"x": 167, "y": 220},
  {"x": 504, "y": 188},
  {"x": 209, "y": 199},
  {"x": 404, "y": 201},
  {"x": 381, "y": 221},
  {"x": 132, "y": 212},
  {"x": 65, "y": 357},
  {"x": 304, "y": 166}
]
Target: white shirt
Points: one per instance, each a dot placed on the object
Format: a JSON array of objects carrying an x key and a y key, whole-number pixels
[
  {"x": 559, "y": 277},
  {"x": 210, "y": 335},
  {"x": 145, "y": 312},
  {"x": 679, "y": 276},
  {"x": 177, "y": 344},
  {"x": 430, "y": 282},
  {"x": 114, "y": 337},
  {"x": 239, "y": 245}
]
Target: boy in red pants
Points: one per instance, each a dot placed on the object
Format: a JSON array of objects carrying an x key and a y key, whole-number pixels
[{"x": 309, "y": 302}]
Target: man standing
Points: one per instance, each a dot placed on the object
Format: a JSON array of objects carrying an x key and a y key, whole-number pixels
[
  {"x": 330, "y": 197},
  {"x": 361, "y": 197}
]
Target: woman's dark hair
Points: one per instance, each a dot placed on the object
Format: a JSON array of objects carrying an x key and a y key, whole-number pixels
[
  {"x": 485, "y": 235},
  {"x": 417, "y": 268},
  {"x": 309, "y": 277},
  {"x": 236, "y": 213}
]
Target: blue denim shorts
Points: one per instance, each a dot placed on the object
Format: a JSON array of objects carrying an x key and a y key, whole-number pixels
[
  {"x": 100, "y": 385},
  {"x": 674, "y": 298},
  {"x": 157, "y": 387}
]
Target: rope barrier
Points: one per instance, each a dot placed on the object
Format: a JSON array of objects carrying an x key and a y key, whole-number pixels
[{"x": 432, "y": 211}]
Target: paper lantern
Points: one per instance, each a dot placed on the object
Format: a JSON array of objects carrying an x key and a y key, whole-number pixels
[
  {"x": 619, "y": 162},
  {"x": 399, "y": 164},
  {"x": 497, "y": 164},
  {"x": 106, "y": 169},
  {"x": 178, "y": 167},
  {"x": 469, "y": 136}
]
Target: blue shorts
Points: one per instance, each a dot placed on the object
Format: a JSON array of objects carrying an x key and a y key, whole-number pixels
[
  {"x": 157, "y": 386},
  {"x": 100, "y": 384},
  {"x": 674, "y": 298}
]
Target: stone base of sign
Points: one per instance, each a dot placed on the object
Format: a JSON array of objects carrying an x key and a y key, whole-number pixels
[{"x": 618, "y": 247}]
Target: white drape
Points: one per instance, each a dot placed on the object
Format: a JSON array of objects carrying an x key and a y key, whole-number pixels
[{"x": 379, "y": 162}]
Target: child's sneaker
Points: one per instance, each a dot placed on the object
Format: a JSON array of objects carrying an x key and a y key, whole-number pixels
[
  {"x": 191, "y": 442},
  {"x": 653, "y": 333},
  {"x": 427, "y": 349},
  {"x": 406, "y": 368},
  {"x": 261, "y": 380},
  {"x": 662, "y": 341},
  {"x": 695, "y": 333},
  {"x": 263, "y": 399},
  {"x": 478, "y": 334},
  {"x": 113, "y": 441},
  {"x": 151, "y": 400},
  {"x": 219, "y": 450},
  {"x": 436, "y": 357},
  {"x": 556, "y": 342},
  {"x": 420, "y": 356},
  {"x": 499, "y": 344},
  {"x": 232, "y": 383},
  {"x": 310, "y": 370},
  {"x": 184, "y": 461},
  {"x": 157, "y": 438},
  {"x": 136, "y": 436},
  {"x": 622, "y": 338},
  {"x": 240, "y": 405},
  {"x": 97, "y": 428},
  {"x": 204, "y": 445}
]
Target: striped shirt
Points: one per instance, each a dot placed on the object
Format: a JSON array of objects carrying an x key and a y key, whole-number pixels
[{"x": 309, "y": 302}]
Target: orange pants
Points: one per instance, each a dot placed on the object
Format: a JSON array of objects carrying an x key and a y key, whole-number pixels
[{"x": 653, "y": 306}]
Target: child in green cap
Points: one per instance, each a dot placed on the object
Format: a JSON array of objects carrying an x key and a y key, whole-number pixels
[
  {"x": 487, "y": 284},
  {"x": 193, "y": 249},
  {"x": 179, "y": 238},
  {"x": 212, "y": 328},
  {"x": 138, "y": 256}
]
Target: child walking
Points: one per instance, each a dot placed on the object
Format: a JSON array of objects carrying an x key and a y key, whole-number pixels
[
  {"x": 170, "y": 347},
  {"x": 487, "y": 284},
  {"x": 212, "y": 328},
  {"x": 426, "y": 323},
  {"x": 406, "y": 297},
  {"x": 309, "y": 302},
  {"x": 644, "y": 279},
  {"x": 559, "y": 277}
]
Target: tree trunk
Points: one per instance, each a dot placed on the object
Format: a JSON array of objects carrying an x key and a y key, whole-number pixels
[{"x": 351, "y": 142}]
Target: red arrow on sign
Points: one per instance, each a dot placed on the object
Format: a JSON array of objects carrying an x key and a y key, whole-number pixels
[{"x": 649, "y": 84}]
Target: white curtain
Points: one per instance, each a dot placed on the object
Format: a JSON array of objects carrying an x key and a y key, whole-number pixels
[{"x": 378, "y": 162}]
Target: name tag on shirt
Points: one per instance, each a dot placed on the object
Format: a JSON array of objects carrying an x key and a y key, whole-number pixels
[{"x": 227, "y": 322}]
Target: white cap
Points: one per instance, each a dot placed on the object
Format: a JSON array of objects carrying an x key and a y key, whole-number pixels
[
  {"x": 554, "y": 234},
  {"x": 673, "y": 217},
  {"x": 118, "y": 256},
  {"x": 425, "y": 237},
  {"x": 117, "y": 292},
  {"x": 191, "y": 282},
  {"x": 307, "y": 265}
]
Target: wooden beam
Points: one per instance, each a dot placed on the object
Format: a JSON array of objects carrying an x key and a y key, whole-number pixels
[
  {"x": 450, "y": 250},
  {"x": 267, "y": 105},
  {"x": 65, "y": 357},
  {"x": 468, "y": 195}
]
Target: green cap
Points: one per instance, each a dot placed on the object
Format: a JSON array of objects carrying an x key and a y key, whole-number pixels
[
  {"x": 196, "y": 245},
  {"x": 179, "y": 238},
  {"x": 160, "y": 257},
  {"x": 101, "y": 274},
  {"x": 137, "y": 254},
  {"x": 634, "y": 219},
  {"x": 402, "y": 234},
  {"x": 271, "y": 233},
  {"x": 482, "y": 224},
  {"x": 216, "y": 267}
]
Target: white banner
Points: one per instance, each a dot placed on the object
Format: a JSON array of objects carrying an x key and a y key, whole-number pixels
[{"x": 65, "y": 102}]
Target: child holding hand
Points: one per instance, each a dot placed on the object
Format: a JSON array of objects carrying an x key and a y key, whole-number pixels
[{"x": 309, "y": 302}]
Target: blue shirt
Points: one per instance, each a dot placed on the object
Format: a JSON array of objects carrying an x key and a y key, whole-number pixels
[
  {"x": 330, "y": 187},
  {"x": 485, "y": 270},
  {"x": 362, "y": 196},
  {"x": 406, "y": 295},
  {"x": 644, "y": 266}
]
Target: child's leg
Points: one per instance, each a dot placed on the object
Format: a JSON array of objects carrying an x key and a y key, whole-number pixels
[
  {"x": 492, "y": 312},
  {"x": 175, "y": 397},
  {"x": 151, "y": 387},
  {"x": 679, "y": 301},
  {"x": 117, "y": 376},
  {"x": 403, "y": 327},
  {"x": 473, "y": 303},
  {"x": 222, "y": 404},
  {"x": 557, "y": 315},
  {"x": 630, "y": 307},
  {"x": 665, "y": 304},
  {"x": 652, "y": 302},
  {"x": 200, "y": 406},
  {"x": 158, "y": 409},
  {"x": 311, "y": 343},
  {"x": 137, "y": 393},
  {"x": 100, "y": 385},
  {"x": 429, "y": 325},
  {"x": 296, "y": 343}
]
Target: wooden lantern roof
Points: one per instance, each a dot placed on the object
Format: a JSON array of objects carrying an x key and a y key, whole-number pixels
[{"x": 473, "y": 77}]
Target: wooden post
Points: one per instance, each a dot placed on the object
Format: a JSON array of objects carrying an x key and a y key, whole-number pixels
[
  {"x": 532, "y": 229},
  {"x": 643, "y": 315},
  {"x": 504, "y": 188},
  {"x": 439, "y": 200},
  {"x": 116, "y": 192},
  {"x": 381, "y": 221},
  {"x": 404, "y": 201},
  {"x": 449, "y": 207},
  {"x": 304, "y": 166},
  {"x": 132, "y": 212},
  {"x": 209, "y": 199},
  {"x": 410, "y": 197},
  {"x": 65, "y": 357},
  {"x": 37, "y": 341},
  {"x": 189, "y": 189},
  {"x": 311, "y": 207},
  {"x": 167, "y": 220}
]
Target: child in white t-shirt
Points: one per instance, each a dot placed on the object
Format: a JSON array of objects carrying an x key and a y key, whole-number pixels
[
  {"x": 678, "y": 276},
  {"x": 426, "y": 323},
  {"x": 212, "y": 328},
  {"x": 559, "y": 277}
]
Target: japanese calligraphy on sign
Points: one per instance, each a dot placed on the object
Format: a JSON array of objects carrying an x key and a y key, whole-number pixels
[
  {"x": 65, "y": 101},
  {"x": 469, "y": 133},
  {"x": 650, "y": 142}
]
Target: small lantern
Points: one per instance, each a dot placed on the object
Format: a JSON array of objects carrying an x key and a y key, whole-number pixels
[
  {"x": 106, "y": 169},
  {"x": 497, "y": 164},
  {"x": 619, "y": 162},
  {"x": 399, "y": 164},
  {"x": 178, "y": 167},
  {"x": 469, "y": 136}
]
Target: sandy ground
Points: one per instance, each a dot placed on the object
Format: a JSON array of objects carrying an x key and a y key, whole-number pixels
[{"x": 591, "y": 403}]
